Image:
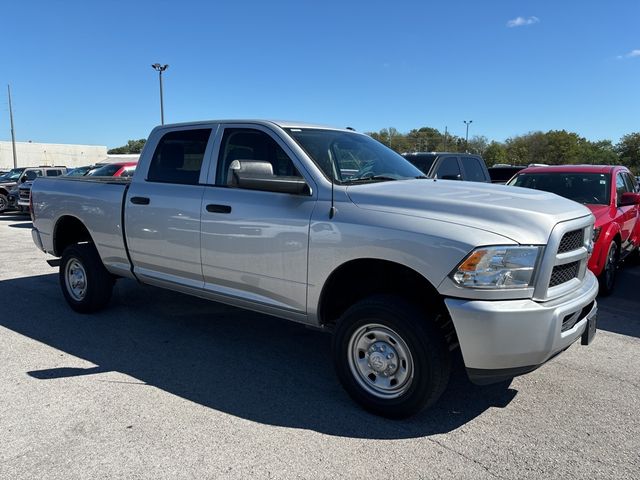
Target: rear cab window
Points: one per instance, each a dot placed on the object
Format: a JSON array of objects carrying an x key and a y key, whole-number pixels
[{"x": 178, "y": 157}]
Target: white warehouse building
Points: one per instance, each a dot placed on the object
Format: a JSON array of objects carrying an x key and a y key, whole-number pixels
[{"x": 31, "y": 154}]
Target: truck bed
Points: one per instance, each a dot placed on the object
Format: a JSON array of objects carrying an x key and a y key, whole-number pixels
[{"x": 96, "y": 201}]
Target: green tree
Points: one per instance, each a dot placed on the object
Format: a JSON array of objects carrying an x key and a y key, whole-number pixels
[
  {"x": 477, "y": 144},
  {"x": 495, "y": 153},
  {"x": 132, "y": 146},
  {"x": 628, "y": 149},
  {"x": 600, "y": 153}
]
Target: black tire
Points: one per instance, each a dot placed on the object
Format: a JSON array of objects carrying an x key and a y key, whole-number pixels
[
  {"x": 4, "y": 203},
  {"x": 430, "y": 362},
  {"x": 94, "y": 285},
  {"x": 607, "y": 278}
]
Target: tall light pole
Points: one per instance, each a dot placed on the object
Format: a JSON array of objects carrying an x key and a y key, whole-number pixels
[
  {"x": 466, "y": 138},
  {"x": 13, "y": 133},
  {"x": 160, "y": 68}
]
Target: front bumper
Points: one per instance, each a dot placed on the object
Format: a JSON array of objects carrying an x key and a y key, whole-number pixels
[{"x": 502, "y": 339}]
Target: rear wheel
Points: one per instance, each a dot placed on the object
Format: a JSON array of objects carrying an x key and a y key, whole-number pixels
[
  {"x": 390, "y": 358},
  {"x": 607, "y": 278},
  {"x": 85, "y": 282}
]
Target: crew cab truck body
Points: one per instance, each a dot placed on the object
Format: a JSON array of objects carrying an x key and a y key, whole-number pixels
[{"x": 271, "y": 216}]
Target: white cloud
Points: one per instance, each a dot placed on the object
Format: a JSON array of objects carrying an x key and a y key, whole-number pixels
[
  {"x": 521, "y": 21},
  {"x": 631, "y": 54}
]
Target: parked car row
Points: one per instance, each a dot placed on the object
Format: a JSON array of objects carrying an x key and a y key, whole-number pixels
[
  {"x": 11, "y": 181},
  {"x": 15, "y": 185}
]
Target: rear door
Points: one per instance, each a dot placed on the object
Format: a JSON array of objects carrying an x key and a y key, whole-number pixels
[
  {"x": 255, "y": 243},
  {"x": 162, "y": 210}
]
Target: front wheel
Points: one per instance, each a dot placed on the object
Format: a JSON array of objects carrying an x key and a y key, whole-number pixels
[
  {"x": 85, "y": 282},
  {"x": 4, "y": 202},
  {"x": 607, "y": 278},
  {"x": 390, "y": 358}
]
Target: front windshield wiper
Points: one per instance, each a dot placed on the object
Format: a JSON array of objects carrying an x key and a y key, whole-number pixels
[{"x": 369, "y": 178}]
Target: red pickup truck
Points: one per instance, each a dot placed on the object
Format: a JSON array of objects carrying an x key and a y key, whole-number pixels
[{"x": 611, "y": 192}]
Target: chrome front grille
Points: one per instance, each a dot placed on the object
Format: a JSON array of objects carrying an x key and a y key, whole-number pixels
[
  {"x": 564, "y": 273},
  {"x": 564, "y": 262},
  {"x": 25, "y": 194},
  {"x": 571, "y": 241}
]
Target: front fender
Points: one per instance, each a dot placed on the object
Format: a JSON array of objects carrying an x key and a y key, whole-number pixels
[{"x": 601, "y": 248}]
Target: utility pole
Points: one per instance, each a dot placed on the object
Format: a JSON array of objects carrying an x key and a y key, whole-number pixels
[
  {"x": 13, "y": 133},
  {"x": 160, "y": 68},
  {"x": 466, "y": 139},
  {"x": 445, "y": 138}
]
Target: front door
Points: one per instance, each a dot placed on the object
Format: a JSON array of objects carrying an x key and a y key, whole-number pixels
[{"x": 255, "y": 243}]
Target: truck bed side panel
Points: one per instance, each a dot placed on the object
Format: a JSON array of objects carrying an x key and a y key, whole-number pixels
[{"x": 96, "y": 203}]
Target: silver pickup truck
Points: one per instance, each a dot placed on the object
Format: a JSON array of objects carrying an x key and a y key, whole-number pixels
[{"x": 330, "y": 228}]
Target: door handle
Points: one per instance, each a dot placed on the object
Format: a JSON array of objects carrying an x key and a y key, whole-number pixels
[
  {"x": 140, "y": 200},
  {"x": 218, "y": 208}
]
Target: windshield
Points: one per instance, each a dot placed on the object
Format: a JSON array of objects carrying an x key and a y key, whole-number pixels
[
  {"x": 353, "y": 158},
  {"x": 13, "y": 175},
  {"x": 106, "y": 171},
  {"x": 78, "y": 172},
  {"x": 423, "y": 161},
  {"x": 588, "y": 188}
]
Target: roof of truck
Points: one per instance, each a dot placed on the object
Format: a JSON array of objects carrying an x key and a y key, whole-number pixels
[{"x": 280, "y": 123}]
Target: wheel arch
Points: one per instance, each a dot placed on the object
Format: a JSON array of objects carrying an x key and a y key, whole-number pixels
[
  {"x": 69, "y": 230},
  {"x": 357, "y": 279}
]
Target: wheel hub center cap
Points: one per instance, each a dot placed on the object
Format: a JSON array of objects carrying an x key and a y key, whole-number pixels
[
  {"x": 378, "y": 362},
  {"x": 383, "y": 358}
]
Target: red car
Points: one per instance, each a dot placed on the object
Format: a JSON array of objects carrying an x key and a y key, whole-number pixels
[
  {"x": 117, "y": 169},
  {"x": 611, "y": 193}
]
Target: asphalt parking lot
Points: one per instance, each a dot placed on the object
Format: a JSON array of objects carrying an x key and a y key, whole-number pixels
[{"x": 161, "y": 385}]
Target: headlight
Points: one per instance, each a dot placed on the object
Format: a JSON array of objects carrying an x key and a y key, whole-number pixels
[
  {"x": 497, "y": 268},
  {"x": 596, "y": 234}
]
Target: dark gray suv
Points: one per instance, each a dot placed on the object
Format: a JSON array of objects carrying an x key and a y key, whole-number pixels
[{"x": 450, "y": 165}]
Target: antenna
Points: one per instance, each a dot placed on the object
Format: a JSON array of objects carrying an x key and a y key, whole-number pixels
[{"x": 332, "y": 210}]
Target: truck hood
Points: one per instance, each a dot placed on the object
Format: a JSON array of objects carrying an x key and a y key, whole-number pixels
[{"x": 523, "y": 215}]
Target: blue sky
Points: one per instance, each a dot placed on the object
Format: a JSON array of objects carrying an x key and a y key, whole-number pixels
[{"x": 80, "y": 71}]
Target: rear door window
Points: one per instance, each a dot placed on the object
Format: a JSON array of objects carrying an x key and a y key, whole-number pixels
[
  {"x": 473, "y": 170},
  {"x": 178, "y": 157},
  {"x": 449, "y": 169}
]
